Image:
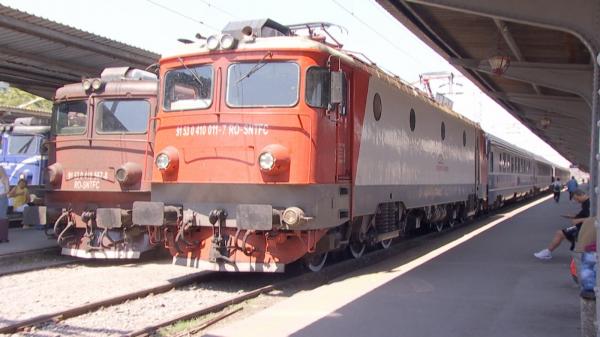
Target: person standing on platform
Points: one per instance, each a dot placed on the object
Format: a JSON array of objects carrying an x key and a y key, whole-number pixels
[
  {"x": 570, "y": 233},
  {"x": 556, "y": 187},
  {"x": 3, "y": 205},
  {"x": 571, "y": 187}
]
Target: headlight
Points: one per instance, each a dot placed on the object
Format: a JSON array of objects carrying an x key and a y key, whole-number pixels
[
  {"x": 292, "y": 216},
  {"x": 227, "y": 41},
  {"x": 96, "y": 84},
  {"x": 87, "y": 84},
  {"x": 128, "y": 174},
  {"x": 212, "y": 43},
  {"x": 266, "y": 161},
  {"x": 121, "y": 175},
  {"x": 162, "y": 161}
]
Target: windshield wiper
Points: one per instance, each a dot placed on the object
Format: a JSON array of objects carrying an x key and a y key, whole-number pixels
[
  {"x": 26, "y": 146},
  {"x": 256, "y": 67},
  {"x": 193, "y": 72}
]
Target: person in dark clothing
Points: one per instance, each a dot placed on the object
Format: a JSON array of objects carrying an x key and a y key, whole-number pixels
[
  {"x": 556, "y": 187},
  {"x": 569, "y": 233}
]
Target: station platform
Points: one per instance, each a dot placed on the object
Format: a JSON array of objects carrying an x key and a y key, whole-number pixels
[
  {"x": 483, "y": 283},
  {"x": 25, "y": 240}
]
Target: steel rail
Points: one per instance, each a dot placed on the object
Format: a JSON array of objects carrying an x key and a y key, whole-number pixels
[{"x": 80, "y": 310}]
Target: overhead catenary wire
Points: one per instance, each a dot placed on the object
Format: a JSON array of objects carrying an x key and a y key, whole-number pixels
[
  {"x": 207, "y": 3},
  {"x": 366, "y": 24},
  {"x": 182, "y": 15}
]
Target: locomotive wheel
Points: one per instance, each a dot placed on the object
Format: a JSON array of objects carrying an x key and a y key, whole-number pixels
[
  {"x": 385, "y": 244},
  {"x": 357, "y": 249},
  {"x": 452, "y": 219},
  {"x": 316, "y": 261},
  {"x": 439, "y": 226}
]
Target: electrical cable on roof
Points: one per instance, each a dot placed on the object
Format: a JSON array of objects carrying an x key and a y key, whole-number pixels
[
  {"x": 183, "y": 15},
  {"x": 220, "y": 9},
  {"x": 412, "y": 58}
]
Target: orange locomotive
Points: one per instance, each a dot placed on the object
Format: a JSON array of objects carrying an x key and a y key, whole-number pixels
[
  {"x": 273, "y": 147},
  {"x": 98, "y": 156}
]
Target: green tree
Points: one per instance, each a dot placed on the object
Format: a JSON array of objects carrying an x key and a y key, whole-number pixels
[{"x": 14, "y": 97}]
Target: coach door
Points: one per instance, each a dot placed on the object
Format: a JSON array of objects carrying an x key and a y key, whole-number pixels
[{"x": 343, "y": 131}]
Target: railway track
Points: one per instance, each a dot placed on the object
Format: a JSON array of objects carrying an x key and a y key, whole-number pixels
[
  {"x": 219, "y": 307},
  {"x": 79, "y": 310}
]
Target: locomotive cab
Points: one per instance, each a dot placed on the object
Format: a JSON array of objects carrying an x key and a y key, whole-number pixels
[
  {"x": 251, "y": 139},
  {"x": 99, "y": 156}
]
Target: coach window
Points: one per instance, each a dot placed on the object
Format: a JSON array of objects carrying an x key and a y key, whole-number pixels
[
  {"x": 491, "y": 161},
  {"x": 262, "y": 84},
  {"x": 188, "y": 88},
  {"x": 70, "y": 118},
  {"x": 464, "y": 138},
  {"x": 413, "y": 120},
  {"x": 122, "y": 116},
  {"x": 443, "y": 130},
  {"x": 377, "y": 107}
]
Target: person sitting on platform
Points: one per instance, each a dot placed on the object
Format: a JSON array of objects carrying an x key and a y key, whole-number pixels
[
  {"x": 569, "y": 233},
  {"x": 586, "y": 246}
]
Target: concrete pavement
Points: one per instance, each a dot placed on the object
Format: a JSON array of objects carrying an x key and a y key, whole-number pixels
[{"x": 485, "y": 284}]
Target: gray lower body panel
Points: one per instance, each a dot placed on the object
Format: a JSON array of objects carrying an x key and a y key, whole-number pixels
[
  {"x": 327, "y": 205},
  {"x": 367, "y": 197}
]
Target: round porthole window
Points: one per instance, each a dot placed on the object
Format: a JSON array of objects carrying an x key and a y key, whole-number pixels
[
  {"x": 464, "y": 138},
  {"x": 377, "y": 107},
  {"x": 443, "y": 131},
  {"x": 413, "y": 120}
]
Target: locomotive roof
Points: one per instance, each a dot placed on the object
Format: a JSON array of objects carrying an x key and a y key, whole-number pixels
[
  {"x": 112, "y": 88},
  {"x": 116, "y": 81},
  {"x": 299, "y": 42}
]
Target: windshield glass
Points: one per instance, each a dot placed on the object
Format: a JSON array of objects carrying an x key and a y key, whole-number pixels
[
  {"x": 70, "y": 118},
  {"x": 21, "y": 145},
  {"x": 262, "y": 84},
  {"x": 188, "y": 88},
  {"x": 122, "y": 116},
  {"x": 317, "y": 87}
]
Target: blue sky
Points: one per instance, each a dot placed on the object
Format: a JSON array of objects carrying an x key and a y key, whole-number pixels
[{"x": 156, "y": 25}]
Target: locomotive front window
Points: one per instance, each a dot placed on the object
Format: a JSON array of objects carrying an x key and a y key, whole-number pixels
[
  {"x": 24, "y": 145},
  {"x": 70, "y": 118},
  {"x": 122, "y": 116},
  {"x": 188, "y": 88},
  {"x": 263, "y": 84}
]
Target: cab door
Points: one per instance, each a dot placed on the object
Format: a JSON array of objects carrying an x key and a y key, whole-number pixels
[{"x": 344, "y": 134}]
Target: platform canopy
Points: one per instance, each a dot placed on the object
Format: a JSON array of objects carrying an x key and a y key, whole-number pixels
[
  {"x": 551, "y": 47},
  {"x": 39, "y": 55}
]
